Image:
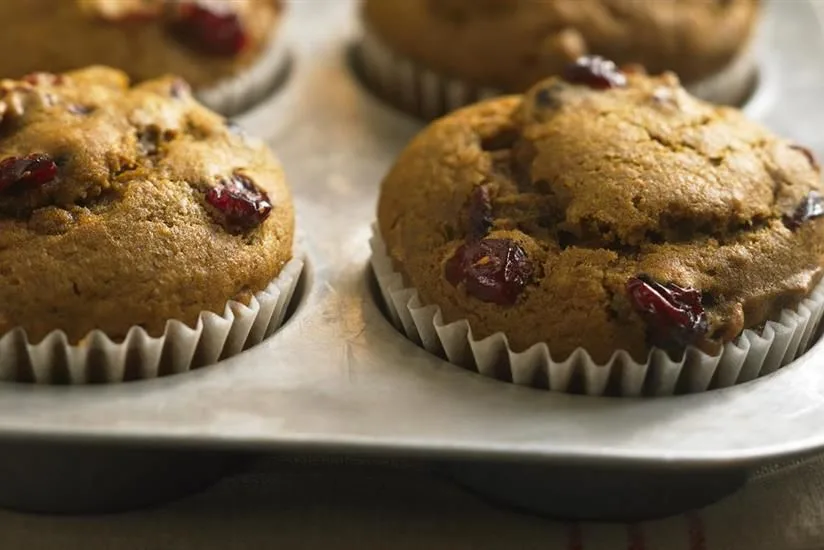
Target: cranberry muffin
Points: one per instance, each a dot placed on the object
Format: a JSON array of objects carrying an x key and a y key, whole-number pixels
[
  {"x": 129, "y": 207},
  {"x": 431, "y": 56},
  {"x": 605, "y": 212},
  {"x": 209, "y": 43}
]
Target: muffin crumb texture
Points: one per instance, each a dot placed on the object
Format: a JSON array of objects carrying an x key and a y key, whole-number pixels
[
  {"x": 129, "y": 206},
  {"x": 512, "y": 44},
  {"x": 204, "y": 41},
  {"x": 608, "y": 217}
]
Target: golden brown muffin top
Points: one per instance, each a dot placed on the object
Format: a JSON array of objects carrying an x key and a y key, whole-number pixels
[
  {"x": 512, "y": 44},
  {"x": 203, "y": 41},
  {"x": 567, "y": 215},
  {"x": 124, "y": 206}
]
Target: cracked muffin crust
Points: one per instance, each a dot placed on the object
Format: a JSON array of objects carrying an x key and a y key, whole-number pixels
[
  {"x": 605, "y": 211},
  {"x": 203, "y": 41},
  {"x": 478, "y": 48},
  {"x": 129, "y": 206}
]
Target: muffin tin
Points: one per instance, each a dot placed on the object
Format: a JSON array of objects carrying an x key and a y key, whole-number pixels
[{"x": 338, "y": 378}]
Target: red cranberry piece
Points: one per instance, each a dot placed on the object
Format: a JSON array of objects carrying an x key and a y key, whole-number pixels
[
  {"x": 595, "y": 72},
  {"x": 242, "y": 204},
  {"x": 674, "y": 315},
  {"x": 35, "y": 169},
  {"x": 494, "y": 270},
  {"x": 215, "y": 32},
  {"x": 480, "y": 213},
  {"x": 810, "y": 208}
]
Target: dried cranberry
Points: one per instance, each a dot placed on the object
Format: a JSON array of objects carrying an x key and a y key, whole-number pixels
[
  {"x": 480, "y": 213},
  {"x": 35, "y": 169},
  {"x": 674, "y": 315},
  {"x": 494, "y": 270},
  {"x": 241, "y": 203},
  {"x": 213, "y": 31},
  {"x": 810, "y": 208},
  {"x": 595, "y": 72}
]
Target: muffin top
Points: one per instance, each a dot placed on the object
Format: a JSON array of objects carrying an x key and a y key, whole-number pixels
[
  {"x": 512, "y": 44},
  {"x": 128, "y": 206},
  {"x": 606, "y": 211},
  {"x": 203, "y": 41}
]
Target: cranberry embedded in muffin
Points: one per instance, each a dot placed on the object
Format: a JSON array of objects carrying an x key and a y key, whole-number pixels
[
  {"x": 605, "y": 211},
  {"x": 129, "y": 206}
]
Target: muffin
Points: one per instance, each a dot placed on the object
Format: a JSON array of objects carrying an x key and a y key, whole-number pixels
[
  {"x": 432, "y": 56},
  {"x": 225, "y": 50},
  {"x": 134, "y": 224},
  {"x": 613, "y": 219}
]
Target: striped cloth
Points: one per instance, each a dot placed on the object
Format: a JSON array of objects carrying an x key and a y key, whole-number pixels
[{"x": 322, "y": 504}]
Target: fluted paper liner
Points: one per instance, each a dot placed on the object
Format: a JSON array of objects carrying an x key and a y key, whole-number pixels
[
  {"x": 428, "y": 94},
  {"x": 140, "y": 356},
  {"x": 234, "y": 95},
  {"x": 751, "y": 355}
]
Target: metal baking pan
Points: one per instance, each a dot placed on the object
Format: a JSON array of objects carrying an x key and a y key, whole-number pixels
[{"x": 338, "y": 378}]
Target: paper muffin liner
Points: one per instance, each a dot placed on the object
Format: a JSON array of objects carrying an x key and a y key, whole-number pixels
[
  {"x": 428, "y": 94},
  {"x": 239, "y": 93},
  {"x": 98, "y": 359},
  {"x": 753, "y": 354}
]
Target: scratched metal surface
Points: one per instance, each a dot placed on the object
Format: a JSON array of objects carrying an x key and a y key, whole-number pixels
[{"x": 339, "y": 377}]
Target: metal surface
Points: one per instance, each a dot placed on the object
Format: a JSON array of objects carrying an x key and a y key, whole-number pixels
[{"x": 339, "y": 378}]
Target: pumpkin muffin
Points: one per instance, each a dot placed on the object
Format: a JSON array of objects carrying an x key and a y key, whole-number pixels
[
  {"x": 605, "y": 211},
  {"x": 125, "y": 207},
  {"x": 432, "y": 56},
  {"x": 225, "y": 50}
]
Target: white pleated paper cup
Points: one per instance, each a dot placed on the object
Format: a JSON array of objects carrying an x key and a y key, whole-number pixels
[
  {"x": 752, "y": 355},
  {"x": 411, "y": 87},
  {"x": 428, "y": 94},
  {"x": 181, "y": 348},
  {"x": 234, "y": 95}
]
